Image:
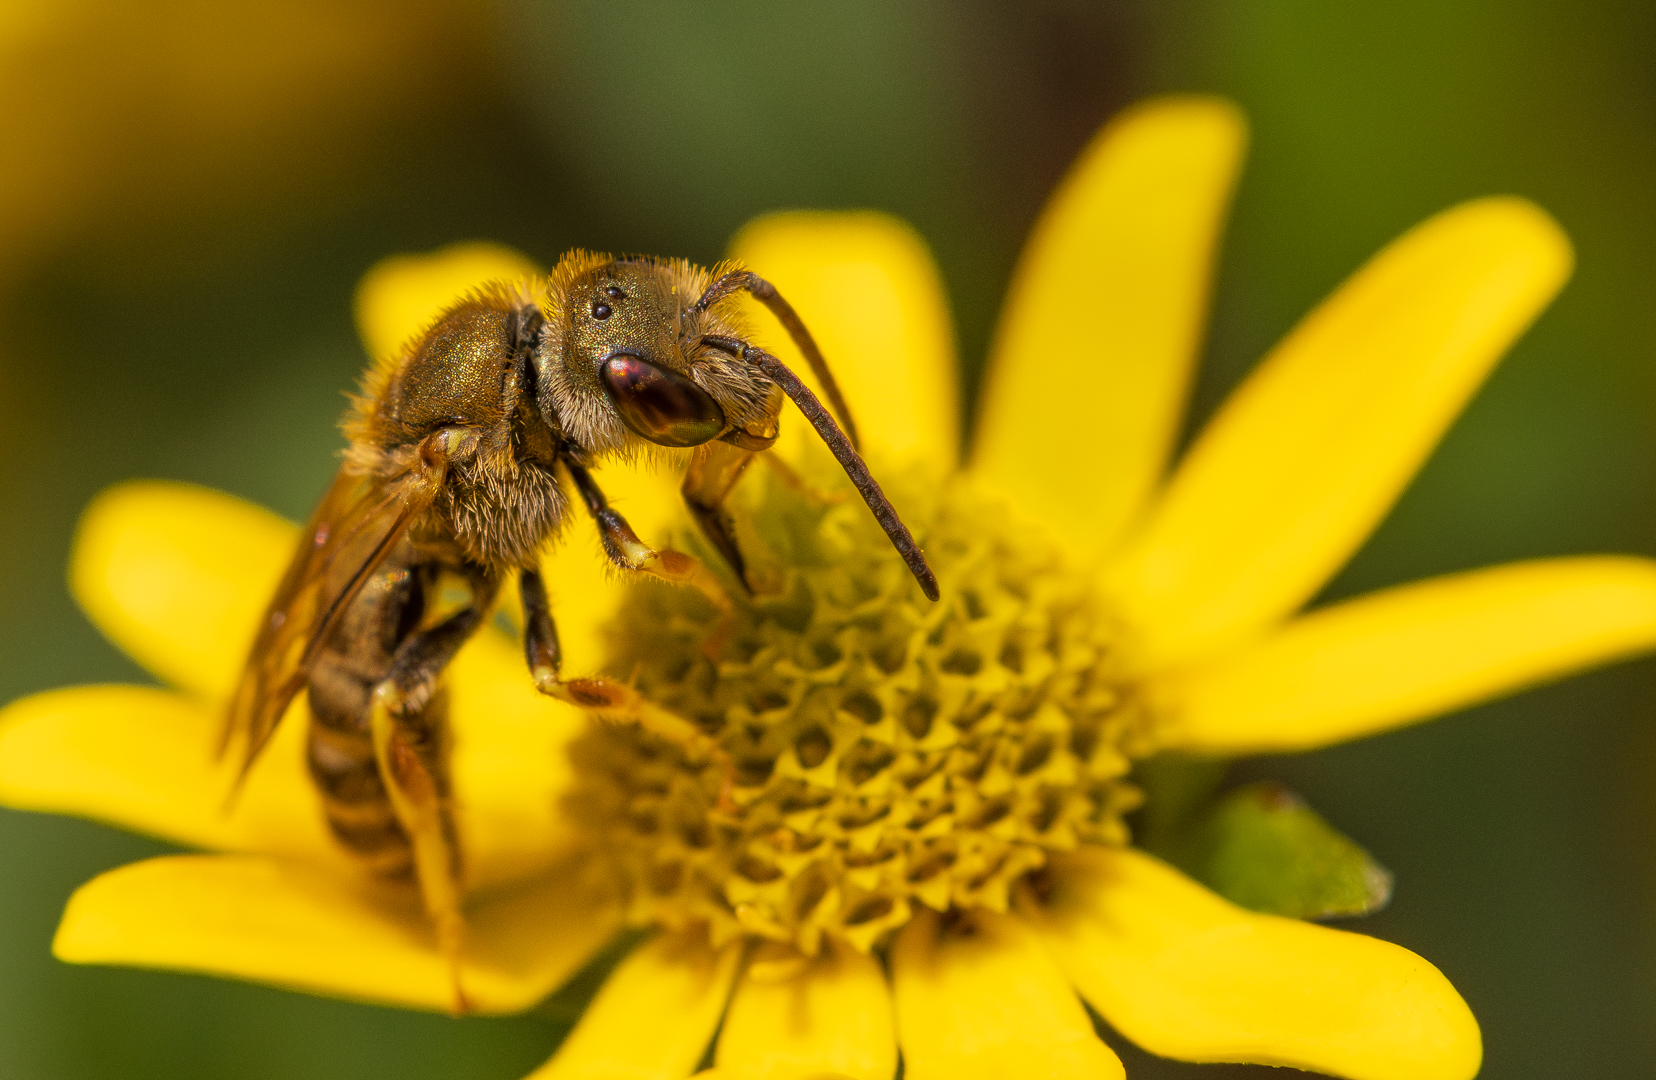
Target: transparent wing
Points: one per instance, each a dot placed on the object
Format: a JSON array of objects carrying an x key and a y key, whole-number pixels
[{"x": 352, "y": 530}]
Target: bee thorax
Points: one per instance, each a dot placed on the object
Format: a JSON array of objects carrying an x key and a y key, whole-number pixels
[{"x": 501, "y": 516}]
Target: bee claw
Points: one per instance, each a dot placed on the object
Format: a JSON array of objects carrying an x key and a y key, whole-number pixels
[{"x": 462, "y": 1003}]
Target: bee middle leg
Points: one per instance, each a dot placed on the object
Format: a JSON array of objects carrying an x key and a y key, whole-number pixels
[
  {"x": 606, "y": 699},
  {"x": 408, "y": 725}
]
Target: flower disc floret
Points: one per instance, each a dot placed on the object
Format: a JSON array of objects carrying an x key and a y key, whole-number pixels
[{"x": 888, "y": 752}]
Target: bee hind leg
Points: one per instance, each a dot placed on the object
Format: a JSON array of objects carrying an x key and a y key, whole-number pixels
[{"x": 408, "y": 724}]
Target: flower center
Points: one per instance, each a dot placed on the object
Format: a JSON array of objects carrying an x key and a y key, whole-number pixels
[{"x": 888, "y": 751}]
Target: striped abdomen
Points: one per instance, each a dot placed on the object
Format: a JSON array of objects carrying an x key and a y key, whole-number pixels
[{"x": 340, "y": 750}]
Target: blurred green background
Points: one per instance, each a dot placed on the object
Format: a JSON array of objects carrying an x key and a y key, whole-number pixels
[{"x": 191, "y": 193}]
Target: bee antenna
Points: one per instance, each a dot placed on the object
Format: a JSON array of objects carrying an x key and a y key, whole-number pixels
[
  {"x": 843, "y": 451},
  {"x": 764, "y": 292}
]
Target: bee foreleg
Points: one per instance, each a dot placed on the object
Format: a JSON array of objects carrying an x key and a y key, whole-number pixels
[
  {"x": 410, "y": 747},
  {"x": 714, "y": 469},
  {"x": 628, "y": 552}
]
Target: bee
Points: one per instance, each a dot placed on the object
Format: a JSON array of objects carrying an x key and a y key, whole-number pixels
[{"x": 466, "y": 454}]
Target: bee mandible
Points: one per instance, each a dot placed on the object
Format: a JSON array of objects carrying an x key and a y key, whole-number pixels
[{"x": 463, "y": 450}]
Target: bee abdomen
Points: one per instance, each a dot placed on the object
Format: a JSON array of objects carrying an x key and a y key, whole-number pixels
[{"x": 340, "y": 754}]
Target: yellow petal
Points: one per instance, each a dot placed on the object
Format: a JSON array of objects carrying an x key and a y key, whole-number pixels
[
  {"x": 178, "y": 575},
  {"x": 653, "y": 1017},
  {"x": 1313, "y": 448},
  {"x": 399, "y": 296},
  {"x": 833, "y": 1017},
  {"x": 256, "y": 918},
  {"x": 143, "y": 759},
  {"x": 982, "y": 1001},
  {"x": 1188, "y": 975},
  {"x": 867, "y": 288},
  {"x": 1408, "y": 653},
  {"x": 1093, "y": 358}
]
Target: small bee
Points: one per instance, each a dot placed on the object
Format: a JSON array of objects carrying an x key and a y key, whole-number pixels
[{"x": 462, "y": 452}]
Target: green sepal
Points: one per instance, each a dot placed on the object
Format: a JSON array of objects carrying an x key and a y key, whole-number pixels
[
  {"x": 1259, "y": 846},
  {"x": 1262, "y": 847}
]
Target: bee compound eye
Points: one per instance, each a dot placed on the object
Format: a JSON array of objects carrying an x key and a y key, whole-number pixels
[{"x": 659, "y": 404}]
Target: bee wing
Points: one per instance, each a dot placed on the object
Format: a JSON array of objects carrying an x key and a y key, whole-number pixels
[{"x": 352, "y": 530}]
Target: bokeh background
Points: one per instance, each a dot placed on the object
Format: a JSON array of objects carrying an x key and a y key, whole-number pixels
[{"x": 190, "y": 193}]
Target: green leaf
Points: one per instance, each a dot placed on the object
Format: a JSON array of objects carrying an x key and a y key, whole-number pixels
[{"x": 1262, "y": 847}]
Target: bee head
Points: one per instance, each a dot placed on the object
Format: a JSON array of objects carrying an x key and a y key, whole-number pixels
[
  {"x": 639, "y": 354},
  {"x": 622, "y": 367}
]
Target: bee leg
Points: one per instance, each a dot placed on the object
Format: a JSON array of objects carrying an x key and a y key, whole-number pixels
[
  {"x": 606, "y": 699},
  {"x": 714, "y": 469},
  {"x": 618, "y": 703},
  {"x": 628, "y": 552},
  {"x": 540, "y": 633},
  {"x": 409, "y": 732}
]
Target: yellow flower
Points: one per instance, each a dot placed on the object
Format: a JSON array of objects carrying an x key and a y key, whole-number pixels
[{"x": 1199, "y": 575}]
